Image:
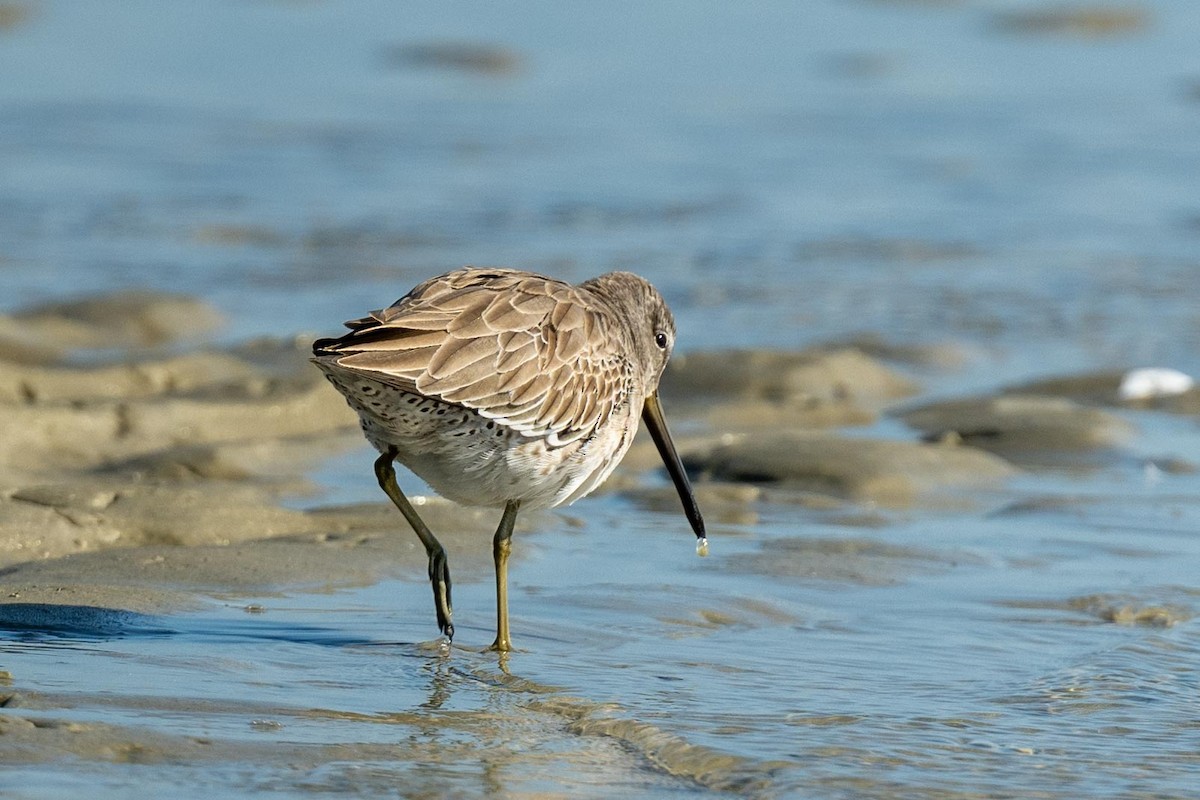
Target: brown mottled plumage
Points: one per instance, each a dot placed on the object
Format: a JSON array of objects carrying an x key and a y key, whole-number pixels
[{"x": 505, "y": 388}]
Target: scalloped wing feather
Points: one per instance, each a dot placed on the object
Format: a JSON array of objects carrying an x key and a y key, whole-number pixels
[{"x": 529, "y": 352}]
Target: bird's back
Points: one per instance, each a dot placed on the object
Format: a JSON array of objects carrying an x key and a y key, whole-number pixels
[{"x": 492, "y": 385}]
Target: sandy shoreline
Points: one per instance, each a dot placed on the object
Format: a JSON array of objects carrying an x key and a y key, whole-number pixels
[{"x": 131, "y": 455}]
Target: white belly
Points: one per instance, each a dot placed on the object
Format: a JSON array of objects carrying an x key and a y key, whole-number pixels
[{"x": 476, "y": 461}]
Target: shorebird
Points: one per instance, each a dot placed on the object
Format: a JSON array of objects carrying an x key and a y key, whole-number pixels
[{"x": 507, "y": 389}]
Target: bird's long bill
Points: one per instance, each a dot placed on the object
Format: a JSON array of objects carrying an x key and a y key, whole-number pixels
[{"x": 657, "y": 425}]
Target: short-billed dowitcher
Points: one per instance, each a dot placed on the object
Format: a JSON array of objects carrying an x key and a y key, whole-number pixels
[{"x": 507, "y": 389}]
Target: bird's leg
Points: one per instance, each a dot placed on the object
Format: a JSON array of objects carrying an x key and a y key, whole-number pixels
[
  {"x": 439, "y": 569},
  {"x": 501, "y": 547}
]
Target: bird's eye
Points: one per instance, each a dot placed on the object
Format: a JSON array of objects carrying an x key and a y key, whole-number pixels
[{"x": 660, "y": 339}]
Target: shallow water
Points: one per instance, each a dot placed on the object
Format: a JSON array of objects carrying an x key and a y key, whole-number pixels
[
  {"x": 964, "y": 655},
  {"x": 914, "y": 171}
]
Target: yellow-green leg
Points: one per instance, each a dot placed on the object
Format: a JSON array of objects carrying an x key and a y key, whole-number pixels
[
  {"x": 501, "y": 547},
  {"x": 439, "y": 570}
]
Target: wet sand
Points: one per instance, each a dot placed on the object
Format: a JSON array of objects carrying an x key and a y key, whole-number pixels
[
  {"x": 147, "y": 475},
  {"x": 179, "y": 463}
]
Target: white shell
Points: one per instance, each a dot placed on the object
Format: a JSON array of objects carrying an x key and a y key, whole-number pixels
[{"x": 1143, "y": 384}]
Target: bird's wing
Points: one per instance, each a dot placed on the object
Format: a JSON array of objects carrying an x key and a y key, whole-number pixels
[{"x": 530, "y": 352}]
